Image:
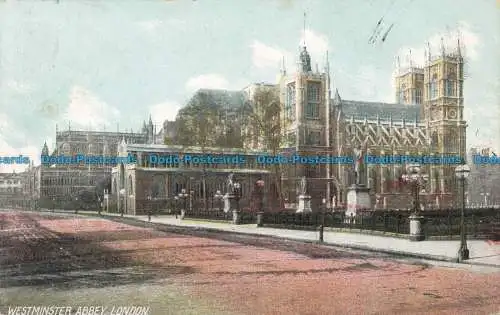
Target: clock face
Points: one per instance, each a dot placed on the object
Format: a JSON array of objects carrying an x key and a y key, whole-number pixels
[{"x": 452, "y": 114}]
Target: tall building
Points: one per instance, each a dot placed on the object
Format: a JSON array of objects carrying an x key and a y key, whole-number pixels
[
  {"x": 427, "y": 118},
  {"x": 60, "y": 183}
]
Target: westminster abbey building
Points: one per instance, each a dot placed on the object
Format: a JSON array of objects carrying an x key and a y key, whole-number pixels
[{"x": 426, "y": 119}]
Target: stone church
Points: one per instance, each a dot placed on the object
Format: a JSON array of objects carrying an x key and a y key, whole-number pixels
[{"x": 426, "y": 119}]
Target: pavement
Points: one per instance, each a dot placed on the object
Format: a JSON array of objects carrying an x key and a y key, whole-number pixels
[{"x": 482, "y": 252}]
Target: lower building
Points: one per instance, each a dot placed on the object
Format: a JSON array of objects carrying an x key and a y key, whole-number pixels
[{"x": 136, "y": 186}]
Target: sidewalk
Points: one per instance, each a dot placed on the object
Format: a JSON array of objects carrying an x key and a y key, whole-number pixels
[{"x": 481, "y": 252}]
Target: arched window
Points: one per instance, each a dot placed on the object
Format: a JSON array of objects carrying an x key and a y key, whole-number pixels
[
  {"x": 434, "y": 141},
  {"x": 434, "y": 87},
  {"x": 402, "y": 94},
  {"x": 450, "y": 85},
  {"x": 418, "y": 96}
]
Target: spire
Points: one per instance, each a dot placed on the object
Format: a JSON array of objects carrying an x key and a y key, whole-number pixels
[
  {"x": 429, "y": 54},
  {"x": 442, "y": 47},
  {"x": 150, "y": 120},
  {"x": 459, "y": 50},
  {"x": 304, "y": 30},
  {"x": 410, "y": 59},
  {"x": 327, "y": 63},
  {"x": 283, "y": 66},
  {"x": 336, "y": 99},
  {"x": 398, "y": 65},
  {"x": 45, "y": 149}
]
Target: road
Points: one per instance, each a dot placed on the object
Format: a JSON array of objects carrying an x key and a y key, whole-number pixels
[{"x": 51, "y": 259}]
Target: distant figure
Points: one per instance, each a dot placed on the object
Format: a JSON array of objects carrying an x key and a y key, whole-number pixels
[{"x": 227, "y": 203}]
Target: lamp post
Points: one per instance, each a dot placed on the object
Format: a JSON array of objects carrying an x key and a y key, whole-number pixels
[
  {"x": 417, "y": 179},
  {"x": 218, "y": 196},
  {"x": 183, "y": 196},
  {"x": 176, "y": 205},
  {"x": 462, "y": 172},
  {"x": 149, "y": 208},
  {"x": 99, "y": 205},
  {"x": 260, "y": 192},
  {"x": 322, "y": 225},
  {"x": 76, "y": 208},
  {"x": 236, "y": 196}
]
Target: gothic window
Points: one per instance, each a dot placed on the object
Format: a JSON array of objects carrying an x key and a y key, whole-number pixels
[
  {"x": 434, "y": 141},
  {"x": 130, "y": 185},
  {"x": 290, "y": 102},
  {"x": 402, "y": 94},
  {"x": 434, "y": 88},
  {"x": 313, "y": 100},
  {"x": 314, "y": 138},
  {"x": 450, "y": 85},
  {"x": 418, "y": 96}
]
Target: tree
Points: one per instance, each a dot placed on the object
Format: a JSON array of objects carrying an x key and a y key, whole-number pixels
[{"x": 262, "y": 129}]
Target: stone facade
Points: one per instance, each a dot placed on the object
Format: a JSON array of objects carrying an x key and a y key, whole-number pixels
[{"x": 134, "y": 185}]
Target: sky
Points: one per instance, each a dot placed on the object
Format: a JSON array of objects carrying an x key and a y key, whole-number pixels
[{"x": 110, "y": 64}]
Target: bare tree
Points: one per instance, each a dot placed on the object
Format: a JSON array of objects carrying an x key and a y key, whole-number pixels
[{"x": 262, "y": 128}]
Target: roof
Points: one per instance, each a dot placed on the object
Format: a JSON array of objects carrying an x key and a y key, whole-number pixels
[
  {"x": 224, "y": 98},
  {"x": 384, "y": 111}
]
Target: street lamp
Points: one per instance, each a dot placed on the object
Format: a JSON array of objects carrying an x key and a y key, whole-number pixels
[
  {"x": 183, "y": 195},
  {"x": 149, "y": 208},
  {"x": 76, "y": 208},
  {"x": 462, "y": 172},
  {"x": 413, "y": 175},
  {"x": 99, "y": 205},
  {"x": 260, "y": 191},
  {"x": 176, "y": 205},
  {"x": 237, "y": 195},
  {"x": 417, "y": 179},
  {"x": 322, "y": 225},
  {"x": 218, "y": 196}
]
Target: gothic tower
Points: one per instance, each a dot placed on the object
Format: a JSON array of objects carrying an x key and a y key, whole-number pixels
[
  {"x": 304, "y": 102},
  {"x": 443, "y": 111},
  {"x": 409, "y": 83}
]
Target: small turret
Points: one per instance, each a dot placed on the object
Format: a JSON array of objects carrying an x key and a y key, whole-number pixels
[{"x": 45, "y": 149}]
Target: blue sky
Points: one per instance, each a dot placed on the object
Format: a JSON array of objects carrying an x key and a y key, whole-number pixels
[{"x": 106, "y": 63}]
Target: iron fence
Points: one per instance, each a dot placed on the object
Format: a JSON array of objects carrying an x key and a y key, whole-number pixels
[{"x": 383, "y": 222}]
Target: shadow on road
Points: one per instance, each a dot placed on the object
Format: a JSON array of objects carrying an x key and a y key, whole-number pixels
[{"x": 36, "y": 256}]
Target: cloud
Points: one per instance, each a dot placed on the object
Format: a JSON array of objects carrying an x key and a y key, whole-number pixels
[
  {"x": 86, "y": 109},
  {"x": 264, "y": 56},
  {"x": 469, "y": 41},
  {"x": 18, "y": 87},
  {"x": 207, "y": 81},
  {"x": 164, "y": 111}
]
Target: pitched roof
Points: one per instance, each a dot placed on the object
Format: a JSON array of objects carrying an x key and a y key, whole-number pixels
[
  {"x": 224, "y": 98},
  {"x": 374, "y": 110}
]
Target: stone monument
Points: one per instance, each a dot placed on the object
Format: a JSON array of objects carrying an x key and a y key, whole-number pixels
[
  {"x": 358, "y": 195},
  {"x": 304, "y": 198}
]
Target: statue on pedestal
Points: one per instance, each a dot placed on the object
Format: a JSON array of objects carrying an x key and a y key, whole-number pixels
[
  {"x": 230, "y": 183},
  {"x": 359, "y": 155},
  {"x": 303, "y": 186}
]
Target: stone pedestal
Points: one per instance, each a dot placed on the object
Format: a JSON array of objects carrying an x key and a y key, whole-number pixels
[
  {"x": 416, "y": 231},
  {"x": 183, "y": 214},
  {"x": 260, "y": 217},
  {"x": 304, "y": 204},
  {"x": 358, "y": 198}
]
